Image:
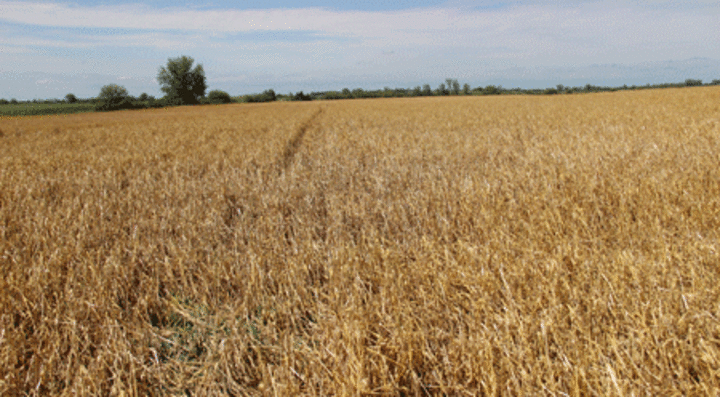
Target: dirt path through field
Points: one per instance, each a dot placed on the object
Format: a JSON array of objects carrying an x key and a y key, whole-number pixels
[{"x": 294, "y": 145}]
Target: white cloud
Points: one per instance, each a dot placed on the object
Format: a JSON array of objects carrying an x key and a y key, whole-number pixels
[
  {"x": 4, "y": 49},
  {"x": 159, "y": 40},
  {"x": 419, "y": 26},
  {"x": 530, "y": 29}
]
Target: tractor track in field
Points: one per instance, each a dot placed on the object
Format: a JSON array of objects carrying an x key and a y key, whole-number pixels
[{"x": 295, "y": 143}]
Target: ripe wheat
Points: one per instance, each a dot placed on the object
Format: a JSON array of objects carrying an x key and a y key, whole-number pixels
[{"x": 563, "y": 245}]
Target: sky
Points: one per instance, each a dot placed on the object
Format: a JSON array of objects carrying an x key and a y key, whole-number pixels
[{"x": 51, "y": 48}]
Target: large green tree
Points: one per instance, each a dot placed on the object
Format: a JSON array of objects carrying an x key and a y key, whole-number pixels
[{"x": 181, "y": 83}]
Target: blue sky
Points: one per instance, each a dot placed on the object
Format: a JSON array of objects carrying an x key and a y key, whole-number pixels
[
  {"x": 269, "y": 4},
  {"x": 51, "y": 48}
]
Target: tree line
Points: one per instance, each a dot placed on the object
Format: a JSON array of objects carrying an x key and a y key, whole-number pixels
[
  {"x": 184, "y": 84},
  {"x": 453, "y": 88}
]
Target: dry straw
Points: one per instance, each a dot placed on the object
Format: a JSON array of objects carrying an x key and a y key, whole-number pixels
[{"x": 562, "y": 245}]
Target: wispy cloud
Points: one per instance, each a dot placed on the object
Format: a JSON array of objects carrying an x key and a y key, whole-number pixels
[{"x": 592, "y": 21}]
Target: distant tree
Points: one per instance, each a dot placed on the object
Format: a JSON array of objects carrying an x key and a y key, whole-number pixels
[
  {"x": 301, "y": 97},
  {"x": 442, "y": 90},
  {"x": 113, "y": 93},
  {"x": 143, "y": 97},
  {"x": 466, "y": 89},
  {"x": 217, "y": 96},
  {"x": 693, "y": 83},
  {"x": 399, "y": 92},
  {"x": 4, "y": 102},
  {"x": 268, "y": 96},
  {"x": 113, "y": 97},
  {"x": 715, "y": 82},
  {"x": 265, "y": 96},
  {"x": 70, "y": 98},
  {"x": 14, "y": 101},
  {"x": 331, "y": 95},
  {"x": 492, "y": 90},
  {"x": 346, "y": 93},
  {"x": 181, "y": 83},
  {"x": 560, "y": 88},
  {"x": 453, "y": 86},
  {"x": 154, "y": 103},
  {"x": 427, "y": 91},
  {"x": 417, "y": 91}
]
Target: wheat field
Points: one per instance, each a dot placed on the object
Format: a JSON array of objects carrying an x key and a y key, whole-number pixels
[{"x": 513, "y": 245}]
